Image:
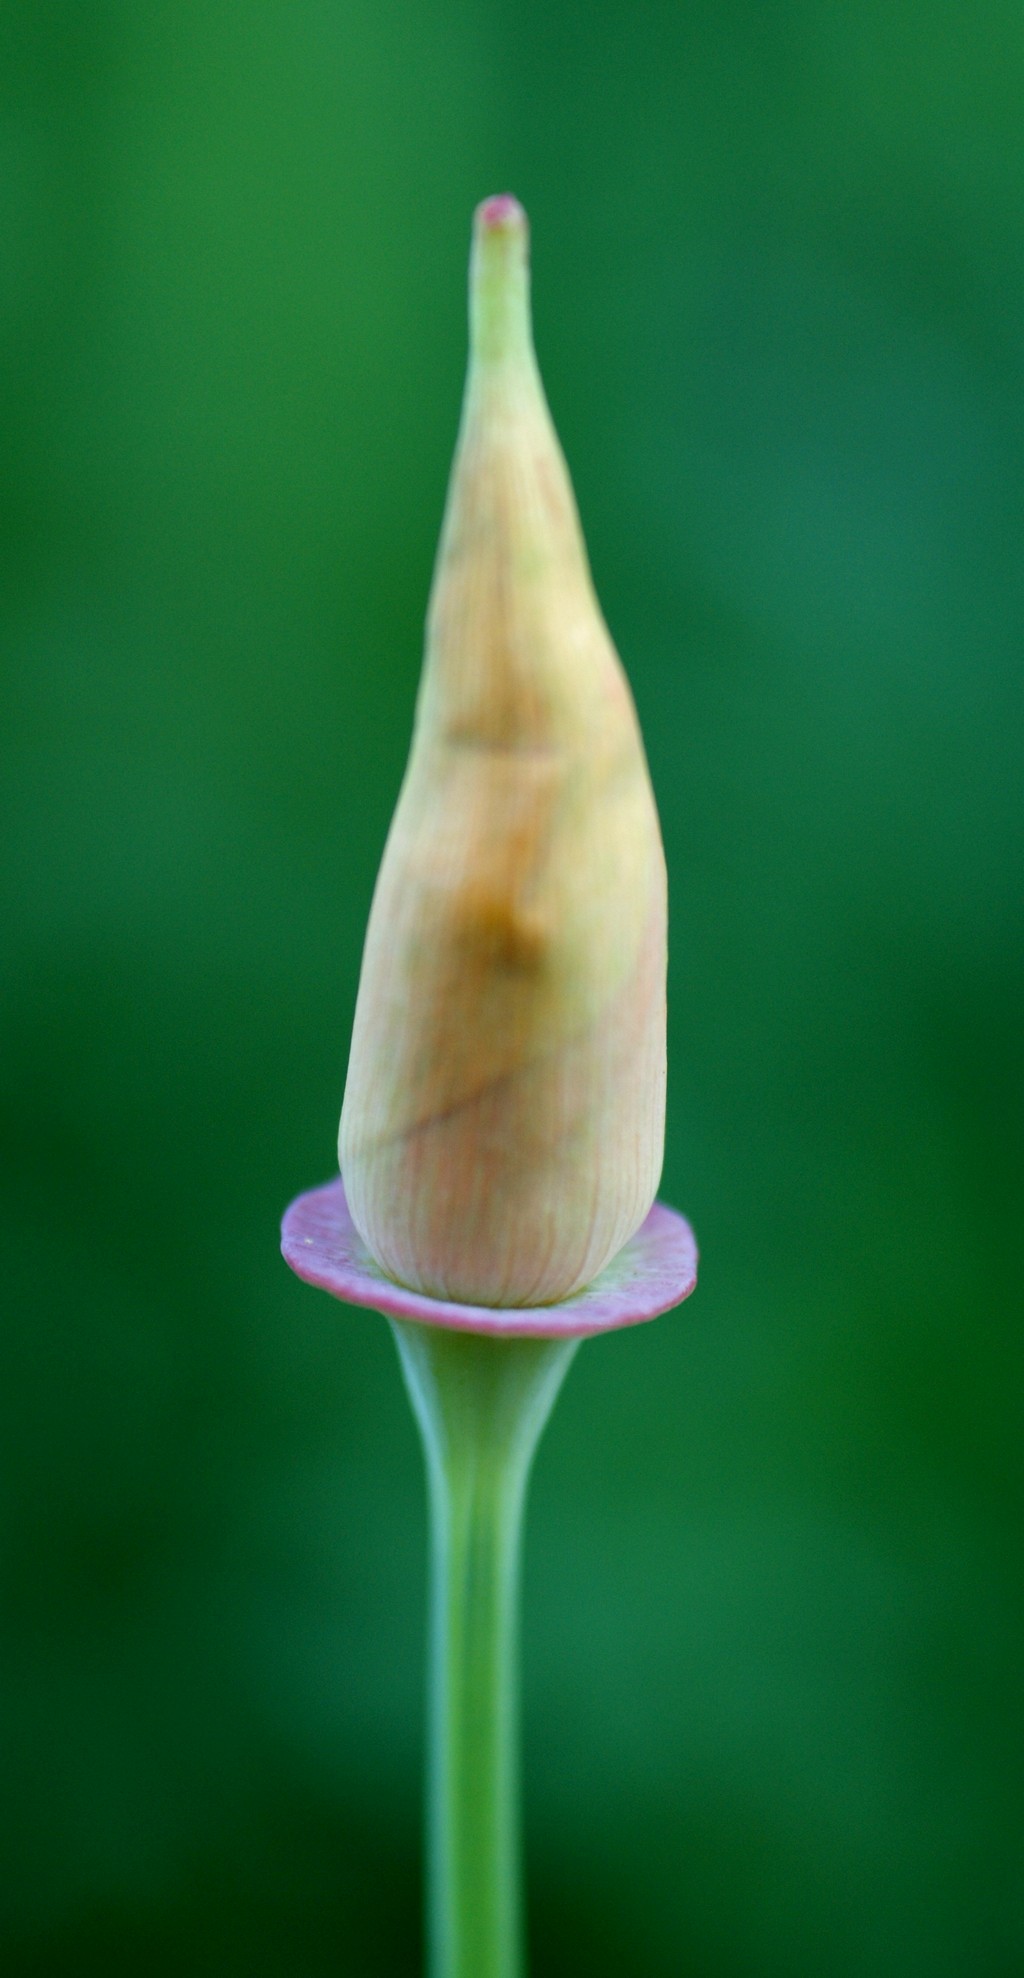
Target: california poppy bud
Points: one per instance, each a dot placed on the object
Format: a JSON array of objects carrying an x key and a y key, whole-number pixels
[{"x": 503, "y": 1125}]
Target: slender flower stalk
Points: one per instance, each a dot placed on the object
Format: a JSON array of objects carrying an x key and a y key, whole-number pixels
[
  {"x": 481, "y": 1405},
  {"x": 482, "y": 1381},
  {"x": 502, "y": 1130}
]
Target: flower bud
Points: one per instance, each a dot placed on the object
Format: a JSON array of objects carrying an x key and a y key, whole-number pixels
[{"x": 503, "y": 1125}]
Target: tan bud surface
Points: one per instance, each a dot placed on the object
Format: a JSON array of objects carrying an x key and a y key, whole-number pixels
[{"x": 503, "y": 1124}]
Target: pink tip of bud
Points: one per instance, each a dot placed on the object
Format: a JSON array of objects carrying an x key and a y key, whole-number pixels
[{"x": 501, "y": 211}]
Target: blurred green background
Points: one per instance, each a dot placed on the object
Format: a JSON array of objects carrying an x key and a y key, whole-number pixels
[{"x": 773, "y": 1637}]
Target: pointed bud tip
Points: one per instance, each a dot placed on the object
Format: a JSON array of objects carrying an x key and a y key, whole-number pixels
[
  {"x": 499, "y": 280},
  {"x": 500, "y": 213}
]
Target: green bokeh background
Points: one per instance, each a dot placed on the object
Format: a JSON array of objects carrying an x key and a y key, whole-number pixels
[{"x": 773, "y": 1636}]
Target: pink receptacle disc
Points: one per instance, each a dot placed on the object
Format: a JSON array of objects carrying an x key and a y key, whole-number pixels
[{"x": 655, "y": 1270}]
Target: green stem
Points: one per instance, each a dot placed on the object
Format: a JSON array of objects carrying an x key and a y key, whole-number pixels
[{"x": 481, "y": 1404}]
